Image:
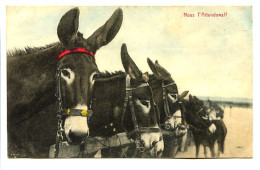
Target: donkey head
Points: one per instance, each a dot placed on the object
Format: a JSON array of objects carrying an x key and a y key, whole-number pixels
[
  {"x": 214, "y": 111},
  {"x": 166, "y": 96},
  {"x": 143, "y": 106},
  {"x": 78, "y": 67},
  {"x": 197, "y": 115}
]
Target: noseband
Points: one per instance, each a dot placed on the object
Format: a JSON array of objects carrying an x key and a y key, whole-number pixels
[
  {"x": 62, "y": 112},
  {"x": 137, "y": 130},
  {"x": 70, "y": 112},
  {"x": 166, "y": 107}
]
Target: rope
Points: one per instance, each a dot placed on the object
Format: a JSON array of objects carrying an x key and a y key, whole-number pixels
[
  {"x": 109, "y": 145},
  {"x": 101, "y": 142},
  {"x": 121, "y": 146},
  {"x": 82, "y": 149}
]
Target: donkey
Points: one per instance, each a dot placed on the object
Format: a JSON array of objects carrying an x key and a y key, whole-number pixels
[
  {"x": 204, "y": 131},
  {"x": 123, "y": 102},
  {"x": 31, "y": 86},
  {"x": 167, "y": 98}
]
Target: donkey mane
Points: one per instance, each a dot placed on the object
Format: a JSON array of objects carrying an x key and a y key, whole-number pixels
[
  {"x": 154, "y": 82},
  {"x": 107, "y": 74},
  {"x": 152, "y": 78},
  {"x": 28, "y": 50}
]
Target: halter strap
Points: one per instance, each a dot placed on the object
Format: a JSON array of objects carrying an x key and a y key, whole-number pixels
[
  {"x": 76, "y": 50},
  {"x": 129, "y": 101},
  {"x": 168, "y": 84},
  {"x": 144, "y": 130},
  {"x": 165, "y": 100},
  {"x": 73, "y": 112},
  {"x": 199, "y": 110},
  {"x": 166, "y": 107},
  {"x": 70, "y": 111},
  {"x": 77, "y": 112}
]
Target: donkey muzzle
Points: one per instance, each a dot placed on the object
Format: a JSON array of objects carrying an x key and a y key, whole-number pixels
[
  {"x": 76, "y": 129},
  {"x": 152, "y": 143}
]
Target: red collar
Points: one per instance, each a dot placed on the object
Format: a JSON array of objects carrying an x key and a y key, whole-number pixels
[{"x": 76, "y": 50}]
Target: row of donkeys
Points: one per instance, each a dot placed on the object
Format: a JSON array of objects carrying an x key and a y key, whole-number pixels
[{"x": 56, "y": 93}]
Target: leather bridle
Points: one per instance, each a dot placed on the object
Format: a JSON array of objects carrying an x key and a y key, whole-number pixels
[
  {"x": 63, "y": 112},
  {"x": 198, "y": 116},
  {"x": 137, "y": 129},
  {"x": 166, "y": 108}
]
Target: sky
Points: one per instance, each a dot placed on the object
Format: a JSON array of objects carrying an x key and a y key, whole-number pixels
[{"x": 209, "y": 56}]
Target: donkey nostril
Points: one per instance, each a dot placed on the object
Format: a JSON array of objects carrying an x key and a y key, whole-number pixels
[
  {"x": 182, "y": 127},
  {"x": 174, "y": 95},
  {"x": 74, "y": 138},
  {"x": 154, "y": 143},
  {"x": 142, "y": 142},
  {"x": 159, "y": 152}
]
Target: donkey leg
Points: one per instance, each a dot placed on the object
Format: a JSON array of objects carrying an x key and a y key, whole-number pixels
[
  {"x": 197, "y": 150},
  {"x": 183, "y": 142},
  {"x": 205, "y": 151},
  {"x": 218, "y": 149},
  {"x": 212, "y": 150}
]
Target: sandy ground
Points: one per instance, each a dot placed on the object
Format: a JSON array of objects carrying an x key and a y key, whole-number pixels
[{"x": 239, "y": 139}]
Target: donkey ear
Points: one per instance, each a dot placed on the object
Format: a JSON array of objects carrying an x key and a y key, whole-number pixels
[
  {"x": 198, "y": 101},
  {"x": 191, "y": 100},
  {"x": 106, "y": 33},
  {"x": 196, "y": 98},
  {"x": 129, "y": 65},
  {"x": 68, "y": 26},
  {"x": 162, "y": 71},
  {"x": 183, "y": 94},
  {"x": 156, "y": 62},
  {"x": 153, "y": 68}
]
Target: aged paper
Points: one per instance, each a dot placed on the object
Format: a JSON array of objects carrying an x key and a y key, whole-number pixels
[{"x": 208, "y": 50}]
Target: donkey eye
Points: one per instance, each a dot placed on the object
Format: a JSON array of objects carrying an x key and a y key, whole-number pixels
[
  {"x": 145, "y": 102},
  {"x": 95, "y": 76},
  {"x": 65, "y": 73},
  {"x": 174, "y": 95}
]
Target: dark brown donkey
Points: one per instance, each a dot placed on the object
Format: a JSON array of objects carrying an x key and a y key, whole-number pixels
[
  {"x": 167, "y": 98},
  {"x": 123, "y": 102},
  {"x": 32, "y": 85},
  {"x": 204, "y": 131}
]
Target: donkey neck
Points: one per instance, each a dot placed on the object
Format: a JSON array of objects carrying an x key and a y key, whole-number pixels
[
  {"x": 108, "y": 101},
  {"x": 34, "y": 60},
  {"x": 156, "y": 85},
  {"x": 31, "y": 73}
]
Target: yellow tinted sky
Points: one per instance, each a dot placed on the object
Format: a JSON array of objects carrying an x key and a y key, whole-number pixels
[{"x": 207, "y": 56}]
